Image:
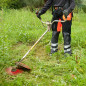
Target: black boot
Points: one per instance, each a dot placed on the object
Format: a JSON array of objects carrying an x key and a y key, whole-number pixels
[
  {"x": 52, "y": 52},
  {"x": 69, "y": 53}
]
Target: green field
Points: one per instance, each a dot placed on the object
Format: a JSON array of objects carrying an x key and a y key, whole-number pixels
[{"x": 19, "y": 30}]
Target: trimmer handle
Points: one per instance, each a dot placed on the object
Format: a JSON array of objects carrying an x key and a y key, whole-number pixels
[{"x": 50, "y": 23}]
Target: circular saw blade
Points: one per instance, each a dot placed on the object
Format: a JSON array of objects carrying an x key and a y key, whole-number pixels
[{"x": 16, "y": 72}]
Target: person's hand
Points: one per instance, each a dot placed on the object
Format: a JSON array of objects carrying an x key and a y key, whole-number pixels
[
  {"x": 38, "y": 14},
  {"x": 65, "y": 12}
]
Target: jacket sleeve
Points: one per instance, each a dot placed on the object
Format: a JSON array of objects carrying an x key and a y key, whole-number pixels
[
  {"x": 46, "y": 6},
  {"x": 72, "y": 6}
]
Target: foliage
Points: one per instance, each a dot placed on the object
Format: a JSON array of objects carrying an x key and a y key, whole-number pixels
[
  {"x": 80, "y": 4},
  {"x": 20, "y": 3},
  {"x": 8, "y": 3}
]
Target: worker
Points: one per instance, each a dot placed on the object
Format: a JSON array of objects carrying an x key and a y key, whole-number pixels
[{"x": 60, "y": 8}]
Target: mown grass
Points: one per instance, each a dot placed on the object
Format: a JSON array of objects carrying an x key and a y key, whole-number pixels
[{"x": 19, "y": 31}]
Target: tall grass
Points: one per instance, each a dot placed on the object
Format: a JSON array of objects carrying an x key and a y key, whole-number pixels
[{"x": 19, "y": 31}]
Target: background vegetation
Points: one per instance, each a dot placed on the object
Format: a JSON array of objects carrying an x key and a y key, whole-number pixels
[
  {"x": 20, "y": 3},
  {"x": 19, "y": 30},
  {"x": 34, "y": 4}
]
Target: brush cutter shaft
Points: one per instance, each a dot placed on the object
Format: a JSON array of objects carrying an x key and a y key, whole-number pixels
[{"x": 34, "y": 45}]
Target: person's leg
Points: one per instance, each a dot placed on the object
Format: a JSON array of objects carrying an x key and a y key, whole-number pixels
[
  {"x": 54, "y": 41},
  {"x": 66, "y": 30},
  {"x": 55, "y": 33}
]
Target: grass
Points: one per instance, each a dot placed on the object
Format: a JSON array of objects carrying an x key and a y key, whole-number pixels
[{"x": 19, "y": 31}]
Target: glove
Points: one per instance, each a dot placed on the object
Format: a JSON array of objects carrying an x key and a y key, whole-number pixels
[
  {"x": 65, "y": 12},
  {"x": 38, "y": 14}
]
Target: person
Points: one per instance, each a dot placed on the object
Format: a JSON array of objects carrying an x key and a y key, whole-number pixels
[{"x": 60, "y": 8}]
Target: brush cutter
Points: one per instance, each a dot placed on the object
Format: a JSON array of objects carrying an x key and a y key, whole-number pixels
[{"x": 20, "y": 67}]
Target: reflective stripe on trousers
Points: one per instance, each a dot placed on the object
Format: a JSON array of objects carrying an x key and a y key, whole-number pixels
[
  {"x": 67, "y": 48},
  {"x": 54, "y": 46}
]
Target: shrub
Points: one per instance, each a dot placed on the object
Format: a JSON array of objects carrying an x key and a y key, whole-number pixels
[{"x": 20, "y": 3}]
